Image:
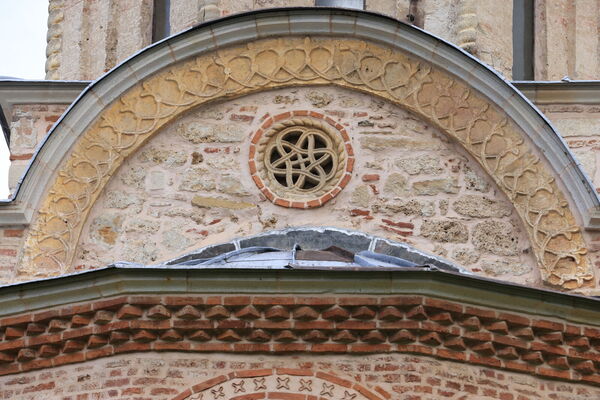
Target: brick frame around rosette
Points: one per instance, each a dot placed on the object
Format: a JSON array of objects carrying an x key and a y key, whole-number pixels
[{"x": 255, "y": 150}]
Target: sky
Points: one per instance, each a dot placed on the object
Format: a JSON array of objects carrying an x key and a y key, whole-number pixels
[{"x": 23, "y": 26}]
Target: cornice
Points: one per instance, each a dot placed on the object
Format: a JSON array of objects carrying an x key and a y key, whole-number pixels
[
  {"x": 560, "y": 92},
  {"x": 15, "y": 91},
  {"x": 128, "y": 279}
]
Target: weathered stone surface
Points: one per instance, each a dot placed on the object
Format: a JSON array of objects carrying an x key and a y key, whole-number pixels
[
  {"x": 588, "y": 161},
  {"x": 231, "y": 185},
  {"x": 196, "y": 132},
  {"x": 496, "y": 237},
  {"x": 197, "y": 179},
  {"x": 197, "y": 158},
  {"x": 408, "y": 207},
  {"x": 156, "y": 180},
  {"x": 443, "y": 207},
  {"x": 481, "y": 207},
  {"x": 171, "y": 158},
  {"x": 465, "y": 255},
  {"x": 426, "y": 164},
  {"x": 361, "y": 196},
  {"x": 134, "y": 177},
  {"x": 106, "y": 228},
  {"x": 396, "y": 185},
  {"x": 142, "y": 225},
  {"x": 216, "y": 202},
  {"x": 504, "y": 267},
  {"x": 433, "y": 187},
  {"x": 474, "y": 181},
  {"x": 381, "y": 144},
  {"x": 122, "y": 200},
  {"x": 174, "y": 241},
  {"x": 318, "y": 98},
  {"x": 445, "y": 231},
  {"x": 200, "y": 132},
  {"x": 141, "y": 251}
]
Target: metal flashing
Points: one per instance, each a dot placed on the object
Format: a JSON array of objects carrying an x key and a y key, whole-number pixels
[
  {"x": 560, "y": 92},
  {"x": 123, "y": 280}
]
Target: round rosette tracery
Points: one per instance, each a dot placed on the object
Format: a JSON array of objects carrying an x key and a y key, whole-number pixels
[{"x": 301, "y": 159}]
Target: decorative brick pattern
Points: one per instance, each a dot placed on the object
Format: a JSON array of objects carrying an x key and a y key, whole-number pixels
[
  {"x": 280, "y": 383},
  {"x": 318, "y": 325}
]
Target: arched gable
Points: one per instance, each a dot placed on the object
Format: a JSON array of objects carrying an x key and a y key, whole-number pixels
[{"x": 512, "y": 142}]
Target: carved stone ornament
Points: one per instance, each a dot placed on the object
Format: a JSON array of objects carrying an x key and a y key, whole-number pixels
[
  {"x": 301, "y": 161},
  {"x": 280, "y": 383},
  {"x": 463, "y": 114}
]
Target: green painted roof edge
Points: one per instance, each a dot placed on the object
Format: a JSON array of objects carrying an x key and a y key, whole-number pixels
[{"x": 118, "y": 281}]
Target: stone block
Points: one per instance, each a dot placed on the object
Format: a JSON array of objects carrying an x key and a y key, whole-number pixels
[{"x": 445, "y": 231}]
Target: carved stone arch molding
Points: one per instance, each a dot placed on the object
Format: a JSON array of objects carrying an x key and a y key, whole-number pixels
[
  {"x": 239, "y": 55},
  {"x": 282, "y": 384}
]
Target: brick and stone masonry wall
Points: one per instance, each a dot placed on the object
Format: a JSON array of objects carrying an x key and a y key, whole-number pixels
[
  {"x": 163, "y": 376},
  {"x": 409, "y": 184},
  {"x": 11, "y": 238},
  {"x": 89, "y": 38},
  {"x": 399, "y": 347},
  {"x": 29, "y": 123}
]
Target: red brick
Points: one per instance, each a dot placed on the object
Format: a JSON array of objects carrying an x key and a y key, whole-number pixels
[
  {"x": 290, "y": 347},
  {"x": 209, "y": 383},
  {"x": 553, "y": 373},
  {"x": 357, "y": 212},
  {"x": 406, "y": 225},
  {"x": 480, "y": 313},
  {"x": 68, "y": 359},
  {"x": 110, "y": 303},
  {"x": 370, "y": 348},
  {"x": 184, "y": 395},
  {"x": 253, "y": 373},
  {"x": 212, "y": 347},
  {"x": 329, "y": 348},
  {"x": 51, "y": 118},
  {"x": 132, "y": 346},
  {"x": 8, "y": 252},
  {"x": 492, "y": 362},
  {"x": 13, "y": 232},
  {"x": 370, "y": 177},
  {"x": 241, "y": 117},
  {"x": 25, "y": 156},
  {"x": 547, "y": 325},
  {"x": 451, "y": 355},
  {"x": 401, "y": 301},
  {"x": 294, "y": 371},
  {"x": 443, "y": 304}
]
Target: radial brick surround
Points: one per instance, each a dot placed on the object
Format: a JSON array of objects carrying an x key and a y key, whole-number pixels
[
  {"x": 317, "y": 325},
  {"x": 301, "y": 159}
]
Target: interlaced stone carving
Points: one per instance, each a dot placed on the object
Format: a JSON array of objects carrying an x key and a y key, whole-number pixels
[
  {"x": 483, "y": 129},
  {"x": 300, "y": 159}
]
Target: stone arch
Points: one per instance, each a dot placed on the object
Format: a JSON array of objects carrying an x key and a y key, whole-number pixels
[
  {"x": 279, "y": 383},
  {"x": 353, "y": 50}
]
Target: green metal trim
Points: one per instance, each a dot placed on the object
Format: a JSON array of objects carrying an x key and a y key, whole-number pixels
[{"x": 118, "y": 281}]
